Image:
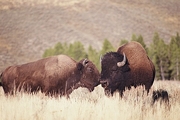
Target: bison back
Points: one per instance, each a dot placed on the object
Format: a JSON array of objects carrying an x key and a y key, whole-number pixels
[{"x": 47, "y": 74}]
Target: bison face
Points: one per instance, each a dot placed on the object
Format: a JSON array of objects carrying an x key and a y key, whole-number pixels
[
  {"x": 90, "y": 74},
  {"x": 113, "y": 66}
]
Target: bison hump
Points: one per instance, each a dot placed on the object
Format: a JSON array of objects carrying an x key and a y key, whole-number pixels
[
  {"x": 138, "y": 60},
  {"x": 135, "y": 53},
  {"x": 60, "y": 65}
]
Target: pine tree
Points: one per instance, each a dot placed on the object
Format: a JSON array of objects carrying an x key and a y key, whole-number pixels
[
  {"x": 140, "y": 40},
  {"x": 59, "y": 49},
  {"x": 48, "y": 52},
  {"x": 94, "y": 56},
  {"x": 123, "y": 41},
  {"x": 175, "y": 57},
  {"x": 77, "y": 51},
  {"x": 159, "y": 52},
  {"x": 107, "y": 47}
]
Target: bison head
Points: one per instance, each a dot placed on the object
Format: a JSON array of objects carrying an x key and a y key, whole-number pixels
[
  {"x": 113, "y": 66},
  {"x": 90, "y": 74}
]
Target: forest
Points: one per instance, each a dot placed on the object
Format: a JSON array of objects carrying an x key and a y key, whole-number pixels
[{"x": 165, "y": 56}]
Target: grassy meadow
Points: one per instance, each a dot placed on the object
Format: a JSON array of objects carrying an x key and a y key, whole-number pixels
[{"x": 83, "y": 105}]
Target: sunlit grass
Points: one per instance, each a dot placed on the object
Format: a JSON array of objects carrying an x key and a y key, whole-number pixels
[{"x": 82, "y": 105}]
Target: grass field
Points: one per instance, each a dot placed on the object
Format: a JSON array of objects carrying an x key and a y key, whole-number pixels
[{"x": 83, "y": 105}]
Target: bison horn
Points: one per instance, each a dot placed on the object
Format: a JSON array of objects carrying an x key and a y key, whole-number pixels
[
  {"x": 120, "y": 64},
  {"x": 101, "y": 58},
  {"x": 85, "y": 62}
]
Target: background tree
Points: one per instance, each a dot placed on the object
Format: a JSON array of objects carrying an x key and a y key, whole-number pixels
[
  {"x": 77, "y": 51},
  {"x": 140, "y": 40},
  {"x": 107, "y": 47},
  {"x": 123, "y": 41},
  {"x": 60, "y": 48},
  {"x": 166, "y": 57},
  {"x": 174, "y": 47},
  {"x": 94, "y": 56},
  {"x": 48, "y": 52},
  {"x": 159, "y": 52}
]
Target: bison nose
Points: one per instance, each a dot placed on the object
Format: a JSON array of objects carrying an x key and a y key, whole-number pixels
[{"x": 104, "y": 83}]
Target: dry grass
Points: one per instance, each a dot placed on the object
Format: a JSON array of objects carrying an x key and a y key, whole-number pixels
[{"x": 92, "y": 106}]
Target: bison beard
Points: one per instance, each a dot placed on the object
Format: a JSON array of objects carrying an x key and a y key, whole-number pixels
[
  {"x": 129, "y": 66},
  {"x": 53, "y": 75}
]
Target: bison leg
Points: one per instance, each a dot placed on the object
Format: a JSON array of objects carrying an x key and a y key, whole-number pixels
[
  {"x": 9, "y": 89},
  {"x": 121, "y": 93},
  {"x": 147, "y": 88},
  {"x": 121, "y": 90},
  {"x": 108, "y": 92}
]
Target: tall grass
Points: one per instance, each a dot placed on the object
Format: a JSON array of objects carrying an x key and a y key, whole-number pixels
[{"x": 82, "y": 105}]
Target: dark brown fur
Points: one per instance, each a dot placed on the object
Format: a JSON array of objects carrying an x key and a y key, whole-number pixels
[
  {"x": 53, "y": 75},
  {"x": 138, "y": 70},
  {"x": 161, "y": 95}
]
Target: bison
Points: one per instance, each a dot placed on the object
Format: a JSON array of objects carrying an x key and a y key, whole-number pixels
[
  {"x": 129, "y": 66},
  {"x": 53, "y": 75},
  {"x": 161, "y": 95}
]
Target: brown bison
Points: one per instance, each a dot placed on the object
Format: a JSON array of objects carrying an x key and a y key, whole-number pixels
[
  {"x": 53, "y": 75},
  {"x": 129, "y": 66}
]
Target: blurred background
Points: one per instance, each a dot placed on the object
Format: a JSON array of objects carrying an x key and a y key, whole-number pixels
[{"x": 33, "y": 29}]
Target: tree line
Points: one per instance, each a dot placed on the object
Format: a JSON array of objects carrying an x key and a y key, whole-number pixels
[{"x": 165, "y": 56}]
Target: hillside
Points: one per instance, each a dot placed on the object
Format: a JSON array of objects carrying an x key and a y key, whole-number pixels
[{"x": 28, "y": 28}]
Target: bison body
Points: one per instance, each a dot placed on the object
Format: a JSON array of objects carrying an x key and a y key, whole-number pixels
[
  {"x": 58, "y": 74},
  {"x": 129, "y": 66}
]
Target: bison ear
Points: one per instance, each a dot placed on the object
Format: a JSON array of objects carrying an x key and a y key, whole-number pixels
[{"x": 80, "y": 66}]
